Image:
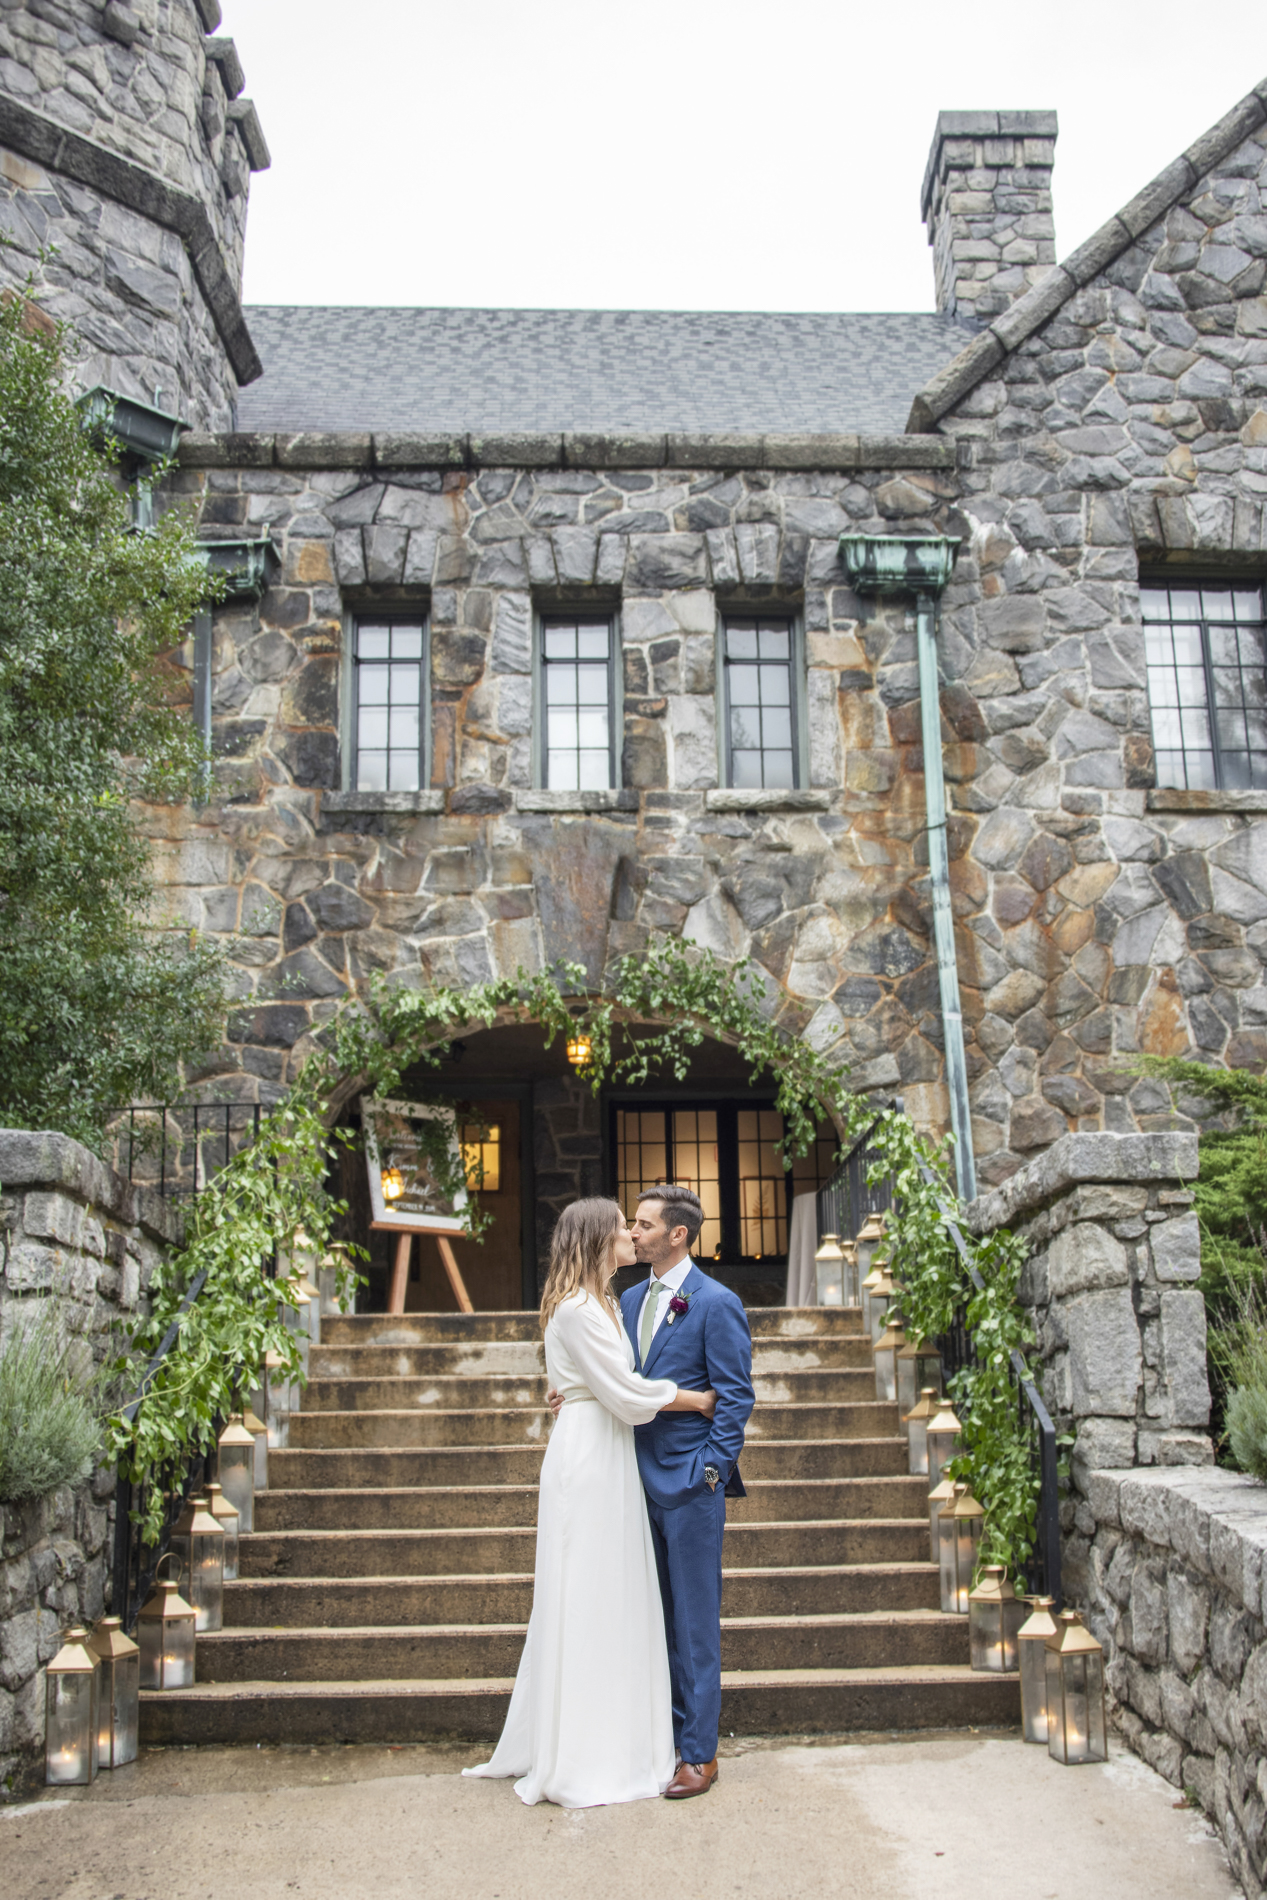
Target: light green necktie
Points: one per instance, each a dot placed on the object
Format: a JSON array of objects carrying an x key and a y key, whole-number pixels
[{"x": 649, "y": 1312}]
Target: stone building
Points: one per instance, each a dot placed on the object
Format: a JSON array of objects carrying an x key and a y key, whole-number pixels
[{"x": 561, "y": 633}]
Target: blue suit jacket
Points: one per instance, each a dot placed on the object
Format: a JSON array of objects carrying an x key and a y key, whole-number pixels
[{"x": 708, "y": 1345}]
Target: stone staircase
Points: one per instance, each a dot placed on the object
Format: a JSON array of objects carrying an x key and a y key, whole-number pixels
[{"x": 386, "y": 1589}]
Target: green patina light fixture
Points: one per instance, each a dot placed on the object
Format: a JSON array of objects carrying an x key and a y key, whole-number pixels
[{"x": 144, "y": 435}]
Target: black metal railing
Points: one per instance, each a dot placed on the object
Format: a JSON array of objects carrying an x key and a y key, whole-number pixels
[
  {"x": 843, "y": 1206},
  {"x": 175, "y": 1147},
  {"x": 846, "y": 1200}
]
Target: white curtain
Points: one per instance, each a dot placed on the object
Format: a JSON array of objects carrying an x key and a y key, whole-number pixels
[{"x": 802, "y": 1288}]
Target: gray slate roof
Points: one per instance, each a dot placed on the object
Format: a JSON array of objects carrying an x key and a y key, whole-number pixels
[{"x": 503, "y": 371}]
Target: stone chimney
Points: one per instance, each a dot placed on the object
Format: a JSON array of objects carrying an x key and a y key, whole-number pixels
[{"x": 987, "y": 205}]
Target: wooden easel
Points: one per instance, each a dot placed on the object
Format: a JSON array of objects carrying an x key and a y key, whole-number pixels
[{"x": 400, "y": 1266}]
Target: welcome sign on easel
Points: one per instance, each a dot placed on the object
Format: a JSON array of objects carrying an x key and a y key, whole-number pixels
[{"x": 405, "y": 1196}]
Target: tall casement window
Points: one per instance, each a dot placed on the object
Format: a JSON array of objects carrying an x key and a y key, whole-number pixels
[
  {"x": 1207, "y": 685},
  {"x": 577, "y": 696},
  {"x": 389, "y": 702},
  {"x": 728, "y": 1153},
  {"x": 760, "y": 703}
]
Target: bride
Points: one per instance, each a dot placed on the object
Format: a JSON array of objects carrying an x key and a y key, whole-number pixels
[{"x": 590, "y": 1720}]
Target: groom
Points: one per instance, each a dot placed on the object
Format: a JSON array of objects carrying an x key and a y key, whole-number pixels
[{"x": 691, "y": 1329}]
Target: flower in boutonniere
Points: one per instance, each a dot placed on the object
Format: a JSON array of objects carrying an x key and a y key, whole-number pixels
[{"x": 680, "y": 1303}]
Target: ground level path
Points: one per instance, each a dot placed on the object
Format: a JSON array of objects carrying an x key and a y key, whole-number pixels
[{"x": 955, "y": 1816}]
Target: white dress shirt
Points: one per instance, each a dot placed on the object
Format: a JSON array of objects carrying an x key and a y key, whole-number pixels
[{"x": 672, "y": 1280}]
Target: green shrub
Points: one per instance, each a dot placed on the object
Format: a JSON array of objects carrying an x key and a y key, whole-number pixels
[
  {"x": 50, "y": 1433},
  {"x": 1246, "y": 1421}
]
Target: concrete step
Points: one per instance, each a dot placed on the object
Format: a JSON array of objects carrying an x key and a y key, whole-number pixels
[
  {"x": 511, "y": 1549},
  {"x": 754, "y": 1702},
  {"x": 433, "y": 1651},
  {"x": 451, "y": 1392},
  {"x": 506, "y": 1360},
  {"x": 399, "y": 1505},
  {"x": 396, "y": 1329},
  {"x": 391, "y": 1602},
  {"x": 781, "y": 1430},
  {"x": 523, "y": 1425},
  {"x": 380, "y": 1452}
]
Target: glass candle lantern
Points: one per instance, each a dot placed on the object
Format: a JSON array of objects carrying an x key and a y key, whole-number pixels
[
  {"x": 886, "y": 1349},
  {"x": 259, "y": 1432},
  {"x": 1076, "y": 1727},
  {"x": 943, "y": 1441},
  {"x": 849, "y": 1273},
  {"x": 312, "y": 1294},
  {"x": 916, "y": 1424},
  {"x": 282, "y": 1400},
  {"x": 295, "y": 1314},
  {"x": 227, "y": 1518},
  {"x": 118, "y": 1692},
  {"x": 883, "y": 1293},
  {"x": 938, "y": 1498},
  {"x": 198, "y": 1547},
  {"x": 71, "y": 1721},
  {"x": 958, "y": 1538},
  {"x": 165, "y": 1632},
  {"x": 918, "y": 1365},
  {"x": 1031, "y": 1645},
  {"x": 995, "y": 1615},
  {"x": 829, "y": 1271},
  {"x": 236, "y": 1465}
]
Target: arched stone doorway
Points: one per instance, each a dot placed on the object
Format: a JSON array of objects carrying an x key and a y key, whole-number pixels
[{"x": 550, "y": 1139}]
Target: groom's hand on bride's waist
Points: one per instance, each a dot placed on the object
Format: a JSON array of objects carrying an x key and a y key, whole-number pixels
[{"x": 554, "y": 1399}]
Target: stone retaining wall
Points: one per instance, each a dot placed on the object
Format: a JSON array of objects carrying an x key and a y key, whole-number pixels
[{"x": 73, "y": 1232}]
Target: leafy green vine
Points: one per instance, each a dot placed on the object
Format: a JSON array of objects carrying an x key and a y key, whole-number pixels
[{"x": 657, "y": 1009}]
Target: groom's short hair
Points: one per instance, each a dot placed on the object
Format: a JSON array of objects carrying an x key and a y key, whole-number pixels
[{"x": 681, "y": 1207}]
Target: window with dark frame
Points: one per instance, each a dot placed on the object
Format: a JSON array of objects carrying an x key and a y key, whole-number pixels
[
  {"x": 389, "y": 699},
  {"x": 1206, "y": 654},
  {"x": 760, "y": 710},
  {"x": 728, "y": 1153},
  {"x": 578, "y": 698}
]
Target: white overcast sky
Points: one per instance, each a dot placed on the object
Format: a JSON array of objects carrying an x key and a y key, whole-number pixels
[{"x": 686, "y": 154}]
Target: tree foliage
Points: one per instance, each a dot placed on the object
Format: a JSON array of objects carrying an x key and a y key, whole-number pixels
[{"x": 95, "y": 1007}]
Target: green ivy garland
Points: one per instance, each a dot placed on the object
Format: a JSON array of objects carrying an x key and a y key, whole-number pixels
[{"x": 664, "y": 1003}]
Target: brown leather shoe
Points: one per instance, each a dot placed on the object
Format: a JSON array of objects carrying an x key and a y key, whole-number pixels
[{"x": 690, "y": 1780}]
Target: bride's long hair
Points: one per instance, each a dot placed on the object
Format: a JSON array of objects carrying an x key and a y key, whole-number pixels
[{"x": 582, "y": 1256}]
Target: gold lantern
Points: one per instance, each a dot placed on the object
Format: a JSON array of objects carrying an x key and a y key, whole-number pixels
[
  {"x": 995, "y": 1615},
  {"x": 959, "y": 1538},
  {"x": 943, "y": 1441},
  {"x": 916, "y": 1423},
  {"x": 829, "y": 1271},
  {"x": 198, "y": 1547},
  {"x": 886, "y": 1349},
  {"x": 393, "y": 1184},
  {"x": 883, "y": 1294},
  {"x": 71, "y": 1725},
  {"x": 939, "y": 1498},
  {"x": 118, "y": 1692},
  {"x": 918, "y": 1365},
  {"x": 165, "y": 1631},
  {"x": 236, "y": 1465},
  {"x": 227, "y": 1518},
  {"x": 1031, "y": 1645},
  {"x": 579, "y": 1049},
  {"x": 1076, "y": 1727}
]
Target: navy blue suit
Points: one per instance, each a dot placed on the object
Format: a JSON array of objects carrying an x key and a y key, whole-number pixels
[{"x": 708, "y": 1345}]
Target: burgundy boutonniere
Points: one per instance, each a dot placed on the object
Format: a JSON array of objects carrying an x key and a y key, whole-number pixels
[{"x": 680, "y": 1303}]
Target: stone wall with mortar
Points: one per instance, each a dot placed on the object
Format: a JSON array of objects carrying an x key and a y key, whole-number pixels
[
  {"x": 73, "y": 1233},
  {"x": 1169, "y": 1569},
  {"x": 987, "y": 205},
  {"x": 125, "y": 155}
]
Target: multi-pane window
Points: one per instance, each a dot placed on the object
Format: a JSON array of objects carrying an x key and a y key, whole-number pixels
[
  {"x": 389, "y": 688},
  {"x": 760, "y": 703},
  {"x": 1207, "y": 685},
  {"x": 577, "y": 690},
  {"x": 728, "y": 1154}
]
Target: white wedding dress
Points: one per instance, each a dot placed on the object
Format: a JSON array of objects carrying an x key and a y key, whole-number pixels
[{"x": 590, "y": 1719}]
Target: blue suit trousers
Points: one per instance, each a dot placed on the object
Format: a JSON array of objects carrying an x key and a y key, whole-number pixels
[{"x": 688, "y": 1542}]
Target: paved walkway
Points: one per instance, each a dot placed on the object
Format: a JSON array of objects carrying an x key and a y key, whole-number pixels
[{"x": 955, "y": 1818}]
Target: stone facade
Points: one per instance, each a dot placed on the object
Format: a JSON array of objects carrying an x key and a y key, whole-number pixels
[
  {"x": 125, "y": 156},
  {"x": 987, "y": 204},
  {"x": 1169, "y": 1566},
  {"x": 71, "y": 1232}
]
